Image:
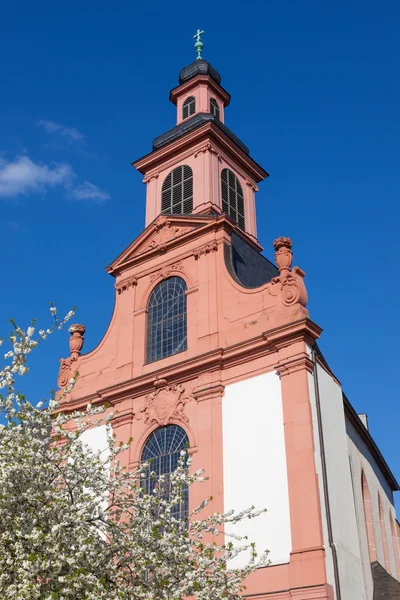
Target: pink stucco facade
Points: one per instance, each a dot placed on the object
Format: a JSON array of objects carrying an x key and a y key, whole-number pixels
[{"x": 233, "y": 333}]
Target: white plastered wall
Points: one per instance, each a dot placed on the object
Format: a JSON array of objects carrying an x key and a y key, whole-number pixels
[
  {"x": 255, "y": 471},
  {"x": 95, "y": 439},
  {"x": 340, "y": 489},
  {"x": 362, "y": 460}
]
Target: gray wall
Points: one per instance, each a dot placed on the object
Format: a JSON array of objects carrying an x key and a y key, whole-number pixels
[
  {"x": 341, "y": 500},
  {"x": 361, "y": 459}
]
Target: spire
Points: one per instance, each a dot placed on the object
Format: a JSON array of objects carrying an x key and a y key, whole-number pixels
[{"x": 199, "y": 44}]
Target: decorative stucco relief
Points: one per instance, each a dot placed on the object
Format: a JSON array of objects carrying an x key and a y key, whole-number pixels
[
  {"x": 125, "y": 284},
  {"x": 290, "y": 281},
  {"x": 252, "y": 185},
  {"x": 208, "y": 147},
  {"x": 149, "y": 178},
  {"x": 67, "y": 366},
  {"x": 166, "y": 270},
  {"x": 206, "y": 249},
  {"x": 165, "y": 232},
  {"x": 165, "y": 405}
]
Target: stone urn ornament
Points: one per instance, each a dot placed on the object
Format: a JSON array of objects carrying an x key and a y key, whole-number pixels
[
  {"x": 283, "y": 256},
  {"x": 77, "y": 332}
]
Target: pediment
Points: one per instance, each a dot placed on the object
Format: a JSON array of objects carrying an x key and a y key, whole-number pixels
[{"x": 158, "y": 236}]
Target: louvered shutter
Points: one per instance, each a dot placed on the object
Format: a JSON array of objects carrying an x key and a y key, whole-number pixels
[
  {"x": 232, "y": 197},
  {"x": 189, "y": 107},
  {"x": 214, "y": 108},
  {"x": 177, "y": 191}
]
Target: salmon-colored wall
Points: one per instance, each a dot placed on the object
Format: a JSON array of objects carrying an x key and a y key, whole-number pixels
[
  {"x": 202, "y": 95},
  {"x": 207, "y": 162},
  {"x": 233, "y": 333}
]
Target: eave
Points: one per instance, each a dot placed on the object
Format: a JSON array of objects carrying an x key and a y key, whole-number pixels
[
  {"x": 369, "y": 441},
  {"x": 207, "y": 131},
  {"x": 205, "y": 223},
  {"x": 194, "y": 82}
]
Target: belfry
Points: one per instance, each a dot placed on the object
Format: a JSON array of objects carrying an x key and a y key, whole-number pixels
[{"x": 211, "y": 346}]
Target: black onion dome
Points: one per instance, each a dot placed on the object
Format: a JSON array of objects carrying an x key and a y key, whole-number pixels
[{"x": 198, "y": 67}]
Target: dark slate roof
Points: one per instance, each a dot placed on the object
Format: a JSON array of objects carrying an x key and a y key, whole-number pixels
[
  {"x": 363, "y": 432},
  {"x": 199, "y": 67},
  {"x": 246, "y": 265},
  {"x": 385, "y": 586},
  {"x": 193, "y": 123},
  {"x": 370, "y": 443}
]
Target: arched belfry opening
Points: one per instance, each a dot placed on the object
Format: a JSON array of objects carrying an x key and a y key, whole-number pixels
[{"x": 177, "y": 191}]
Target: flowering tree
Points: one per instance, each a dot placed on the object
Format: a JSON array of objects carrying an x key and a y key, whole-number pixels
[{"x": 76, "y": 524}]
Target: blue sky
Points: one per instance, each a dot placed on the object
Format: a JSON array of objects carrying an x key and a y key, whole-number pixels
[{"x": 315, "y": 95}]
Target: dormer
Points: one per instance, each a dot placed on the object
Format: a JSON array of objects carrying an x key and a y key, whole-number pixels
[{"x": 199, "y": 91}]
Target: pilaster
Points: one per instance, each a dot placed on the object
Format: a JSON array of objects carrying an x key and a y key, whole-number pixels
[{"x": 307, "y": 561}]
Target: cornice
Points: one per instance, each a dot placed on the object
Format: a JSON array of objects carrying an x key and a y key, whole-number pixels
[
  {"x": 218, "y": 359},
  {"x": 125, "y": 284},
  {"x": 214, "y": 224},
  {"x": 123, "y": 417},
  {"x": 209, "y": 391},
  {"x": 207, "y": 131},
  {"x": 183, "y": 88},
  {"x": 292, "y": 365}
]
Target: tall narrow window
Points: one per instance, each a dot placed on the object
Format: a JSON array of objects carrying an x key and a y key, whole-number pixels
[
  {"x": 214, "y": 108},
  {"x": 162, "y": 450},
  {"x": 232, "y": 197},
  {"x": 369, "y": 523},
  {"x": 189, "y": 107},
  {"x": 177, "y": 191},
  {"x": 395, "y": 547},
  {"x": 166, "y": 319},
  {"x": 384, "y": 536}
]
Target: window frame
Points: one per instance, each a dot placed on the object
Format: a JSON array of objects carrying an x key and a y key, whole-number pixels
[
  {"x": 190, "y": 105},
  {"x": 234, "y": 204},
  {"x": 215, "y": 109},
  {"x": 177, "y": 191},
  {"x": 158, "y": 338},
  {"x": 165, "y": 463}
]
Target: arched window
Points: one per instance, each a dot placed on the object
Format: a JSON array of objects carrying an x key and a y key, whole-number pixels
[
  {"x": 162, "y": 450},
  {"x": 232, "y": 197},
  {"x": 384, "y": 536},
  {"x": 214, "y": 108},
  {"x": 166, "y": 319},
  {"x": 189, "y": 107},
  {"x": 395, "y": 547},
  {"x": 177, "y": 191},
  {"x": 369, "y": 523}
]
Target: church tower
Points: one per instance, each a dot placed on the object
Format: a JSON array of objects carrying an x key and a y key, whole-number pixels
[{"x": 211, "y": 345}]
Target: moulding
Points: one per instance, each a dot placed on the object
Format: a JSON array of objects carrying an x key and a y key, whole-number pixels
[
  {"x": 192, "y": 290},
  {"x": 212, "y": 361},
  {"x": 208, "y": 392},
  {"x": 185, "y": 87},
  {"x": 291, "y": 365},
  {"x": 166, "y": 270},
  {"x": 125, "y": 284},
  {"x": 251, "y": 185},
  {"x": 206, "y": 249},
  {"x": 207, "y": 147},
  {"x": 150, "y": 177},
  {"x": 202, "y": 133},
  {"x": 123, "y": 417}
]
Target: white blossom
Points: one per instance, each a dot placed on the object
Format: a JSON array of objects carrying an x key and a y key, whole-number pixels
[{"x": 78, "y": 525}]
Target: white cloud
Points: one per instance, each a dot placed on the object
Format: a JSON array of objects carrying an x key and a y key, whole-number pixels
[
  {"x": 89, "y": 191},
  {"x": 22, "y": 176},
  {"x": 71, "y": 133}
]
